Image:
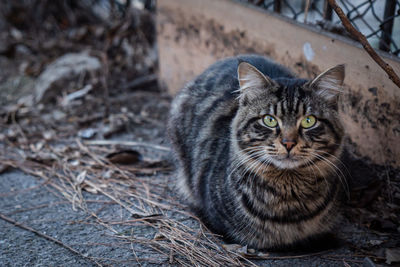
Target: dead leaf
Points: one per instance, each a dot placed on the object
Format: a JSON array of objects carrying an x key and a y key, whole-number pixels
[
  {"x": 382, "y": 225},
  {"x": 159, "y": 236},
  {"x": 58, "y": 115},
  {"x": 108, "y": 174},
  {"x": 75, "y": 95},
  {"x": 37, "y": 147},
  {"x": 3, "y": 168},
  {"x": 125, "y": 157},
  {"x": 68, "y": 66},
  {"x": 81, "y": 177},
  {"x": 48, "y": 135},
  {"x": 144, "y": 168},
  {"x": 363, "y": 196},
  {"x": 251, "y": 251},
  {"x": 42, "y": 157},
  {"x": 367, "y": 262},
  {"x": 87, "y": 133},
  {"x": 392, "y": 255},
  {"x": 236, "y": 248},
  {"x": 157, "y": 164},
  {"x": 375, "y": 242},
  {"x": 232, "y": 247},
  {"x": 90, "y": 189},
  {"x": 263, "y": 255},
  {"x": 146, "y": 216},
  {"x": 242, "y": 250}
]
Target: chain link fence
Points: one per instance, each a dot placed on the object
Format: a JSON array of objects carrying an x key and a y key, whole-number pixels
[{"x": 378, "y": 20}]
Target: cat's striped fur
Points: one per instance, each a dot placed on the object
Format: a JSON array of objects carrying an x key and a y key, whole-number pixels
[{"x": 236, "y": 172}]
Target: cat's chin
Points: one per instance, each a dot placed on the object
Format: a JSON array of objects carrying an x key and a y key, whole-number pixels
[{"x": 286, "y": 163}]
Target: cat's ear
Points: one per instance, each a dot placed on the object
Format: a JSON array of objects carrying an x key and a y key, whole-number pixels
[
  {"x": 251, "y": 80},
  {"x": 329, "y": 83}
]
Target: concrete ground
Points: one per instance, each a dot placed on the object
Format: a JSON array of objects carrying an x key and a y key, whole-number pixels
[{"x": 25, "y": 199}]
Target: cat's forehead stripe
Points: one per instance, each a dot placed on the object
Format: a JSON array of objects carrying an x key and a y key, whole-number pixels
[
  {"x": 272, "y": 109},
  {"x": 296, "y": 105},
  {"x": 279, "y": 109},
  {"x": 284, "y": 107},
  {"x": 302, "y": 108},
  {"x": 308, "y": 109}
]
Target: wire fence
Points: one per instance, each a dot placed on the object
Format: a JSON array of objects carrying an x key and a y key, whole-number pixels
[{"x": 378, "y": 20}]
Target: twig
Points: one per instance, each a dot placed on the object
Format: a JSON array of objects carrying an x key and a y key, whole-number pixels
[
  {"x": 361, "y": 38},
  {"x": 258, "y": 2},
  {"x": 38, "y": 207},
  {"x": 125, "y": 143},
  {"x": 57, "y": 203},
  {"x": 134, "y": 252},
  {"x": 104, "y": 82},
  {"x": 341, "y": 259},
  {"x": 13, "y": 193},
  {"x": 134, "y": 212},
  {"x": 306, "y": 10},
  {"x": 58, "y": 242},
  {"x": 141, "y": 81},
  {"x": 256, "y": 257}
]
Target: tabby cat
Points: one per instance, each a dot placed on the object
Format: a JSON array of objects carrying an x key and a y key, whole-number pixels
[{"x": 258, "y": 151}]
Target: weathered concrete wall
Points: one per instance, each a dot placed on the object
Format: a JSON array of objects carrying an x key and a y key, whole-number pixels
[{"x": 193, "y": 34}]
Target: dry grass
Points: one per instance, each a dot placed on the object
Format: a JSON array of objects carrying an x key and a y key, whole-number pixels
[{"x": 79, "y": 167}]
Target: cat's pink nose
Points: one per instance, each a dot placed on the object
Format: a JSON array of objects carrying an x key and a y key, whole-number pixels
[{"x": 289, "y": 144}]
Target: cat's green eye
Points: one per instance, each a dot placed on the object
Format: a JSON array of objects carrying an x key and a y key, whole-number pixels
[
  {"x": 308, "y": 121},
  {"x": 270, "y": 121}
]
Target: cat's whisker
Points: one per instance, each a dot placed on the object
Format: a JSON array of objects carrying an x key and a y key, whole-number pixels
[
  {"x": 312, "y": 164},
  {"x": 308, "y": 164},
  {"x": 243, "y": 159},
  {"x": 254, "y": 164},
  {"x": 332, "y": 166},
  {"x": 238, "y": 162},
  {"x": 336, "y": 158},
  {"x": 266, "y": 163},
  {"x": 251, "y": 151},
  {"x": 260, "y": 167},
  {"x": 338, "y": 172}
]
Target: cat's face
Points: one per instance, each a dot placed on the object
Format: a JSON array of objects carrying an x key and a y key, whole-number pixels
[{"x": 288, "y": 123}]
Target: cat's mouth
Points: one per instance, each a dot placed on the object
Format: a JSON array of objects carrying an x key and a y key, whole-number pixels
[{"x": 287, "y": 161}]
